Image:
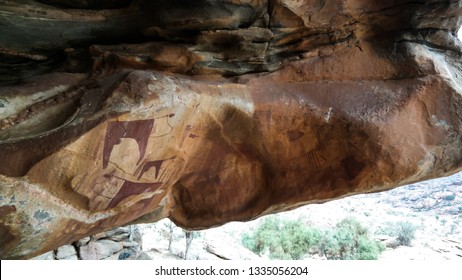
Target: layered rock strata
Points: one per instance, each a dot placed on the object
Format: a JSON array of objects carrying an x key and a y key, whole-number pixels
[{"x": 208, "y": 111}]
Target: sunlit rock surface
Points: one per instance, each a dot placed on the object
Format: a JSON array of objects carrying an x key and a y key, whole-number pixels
[{"x": 208, "y": 111}]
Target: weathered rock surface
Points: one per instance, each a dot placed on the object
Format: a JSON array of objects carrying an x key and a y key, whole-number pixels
[
  {"x": 117, "y": 112},
  {"x": 66, "y": 252},
  {"x": 102, "y": 246},
  {"x": 229, "y": 251},
  {"x": 99, "y": 250},
  {"x": 48, "y": 256}
]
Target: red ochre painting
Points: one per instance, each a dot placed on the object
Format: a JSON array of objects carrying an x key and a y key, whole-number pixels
[{"x": 141, "y": 131}]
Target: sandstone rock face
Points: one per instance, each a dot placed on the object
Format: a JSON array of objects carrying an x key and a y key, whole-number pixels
[{"x": 117, "y": 112}]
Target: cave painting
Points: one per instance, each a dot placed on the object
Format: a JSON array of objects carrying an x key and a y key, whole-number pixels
[
  {"x": 138, "y": 130},
  {"x": 132, "y": 188},
  {"x": 157, "y": 164},
  {"x": 128, "y": 166}
]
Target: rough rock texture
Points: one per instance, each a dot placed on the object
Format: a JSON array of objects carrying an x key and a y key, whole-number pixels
[
  {"x": 207, "y": 111},
  {"x": 108, "y": 245},
  {"x": 66, "y": 252}
]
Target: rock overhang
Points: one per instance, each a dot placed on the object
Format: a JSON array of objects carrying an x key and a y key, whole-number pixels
[{"x": 211, "y": 111}]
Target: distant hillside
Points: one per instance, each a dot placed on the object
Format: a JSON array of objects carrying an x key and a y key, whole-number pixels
[{"x": 434, "y": 207}]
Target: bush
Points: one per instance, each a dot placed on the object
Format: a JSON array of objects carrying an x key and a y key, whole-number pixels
[
  {"x": 293, "y": 240},
  {"x": 289, "y": 240},
  {"x": 450, "y": 197},
  {"x": 349, "y": 241},
  {"x": 404, "y": 232}
]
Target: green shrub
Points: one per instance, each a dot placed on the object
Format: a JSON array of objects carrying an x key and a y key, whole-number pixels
[
  {"x": 293, "y": 240},
  {"x": 404, "y": 232},
  {"x": 282, "y": 239},
  {"x": 450, "y": 197},
  {"x": 349, "y": 241},
  {"x": 369, "y": 249}
]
